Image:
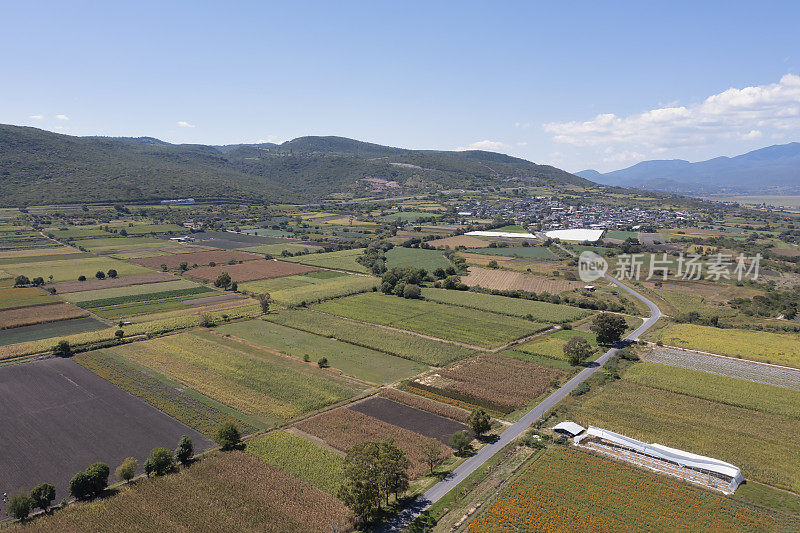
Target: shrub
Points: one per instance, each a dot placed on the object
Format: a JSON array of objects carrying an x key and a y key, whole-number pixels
[
  {"x": 112, "y": 273},
  {"x": 323, "y": 363},
  {"x": 581, "y": 389},
  {"x": 20, "y": 506},
  {"x": 119, "y": 333},
  {"x": 460, "y": 441},
  {"x": 81, "y": 278},
  {"x": 185, "y": 450},
  {"x": 127, "y": 469},
  {"x": 412, "y": 291},
  {"x": 161, "y": 461},
  {"x": 62, "y": 349},
  {"x": 100, "y": 274}
]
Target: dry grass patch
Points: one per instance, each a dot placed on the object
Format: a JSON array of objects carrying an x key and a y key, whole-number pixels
[
  {"x": 344, "y": 428},
  {"x": 251, "y": 270},
  {"x": 108, "y": 283},
  {"x": 25, "y": 316},
  {"x": 459, "y": 240},
  {"x": 504, "y": 280},
  {"x": 173, "y": 261}
]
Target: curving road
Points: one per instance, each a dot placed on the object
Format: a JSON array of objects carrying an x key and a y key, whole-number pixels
[{"x": 435, "y": 493}]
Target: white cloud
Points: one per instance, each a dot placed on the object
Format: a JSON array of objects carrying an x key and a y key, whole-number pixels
[
  {"x": 522, "y": 125},
  {"x": 62, "y": 117},
  {"x": 184, "y": 124},
  {"x": 37, "y": 117},
  {"x": 491, "y": 146},
  {"x": 734, "y": 114},
  {"x": 522, "y": 143}
]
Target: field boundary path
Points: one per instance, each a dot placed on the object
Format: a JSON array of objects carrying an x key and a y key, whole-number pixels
[{"x": 439, "y": 490}]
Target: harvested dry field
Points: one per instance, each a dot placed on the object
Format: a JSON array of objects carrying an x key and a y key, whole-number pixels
[
  {"x": 251, "y": 270},
  {"x": 219, "y": 257},
  {"x": 343, "y": 428},
  {"x": 37, "y": 314},
  {"x": 495, "y": 381},
  {"x": 410, "y": 418},
  {"x": 504, "y": 280},
  {"x": 459, "y": 240},
  {"x": 124, "y": 281},
  {"x": 36, "y": 252}
]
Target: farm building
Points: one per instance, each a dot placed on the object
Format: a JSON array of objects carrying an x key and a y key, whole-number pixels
[
  {"x": 581, "y": 235},
  {"x": 570, "y": 429},
  {"x": 504, "y": 234},
  {"x": 706, "y": 471}
]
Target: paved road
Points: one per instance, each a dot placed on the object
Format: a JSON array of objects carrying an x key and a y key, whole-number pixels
[{"x": 435, "y": 493}]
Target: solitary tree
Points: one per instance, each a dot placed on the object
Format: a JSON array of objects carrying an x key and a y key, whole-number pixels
[
  {"x": 100, "y": 274},
  {"x": 460, "y": 440},
  {"x": 20, "y": 506},
  {"x": 112, "y": 273},
  {"x": 81, "y": 278},
  {"x": 62, "y": 349},
  {"x": 119, "y": 333},
  {"x": 127, "y": 469},
  {"x": 432, "y": 451},
  {"x": 223, "y": 280},
  {"x": 479, "y": 421},
  {"x": 184, "y": 451},
  {"x": 608, "y": 327},
  {"x": 228, "y": 436},
  {"x": 323, "y": 363},
  {"x": 43, "y": 495},
  {"x": 161, "y": 461},
  {"x": 263, "y": 300},
  {"x": 21, "y": 281},
  {"x": 577, "y": 350}
]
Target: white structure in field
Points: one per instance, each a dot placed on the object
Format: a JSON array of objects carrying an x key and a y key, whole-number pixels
[
  {"x": 506, "y": 234},
  {"x": 727, "y": 472},
  {"x": 591, "y": 235}
]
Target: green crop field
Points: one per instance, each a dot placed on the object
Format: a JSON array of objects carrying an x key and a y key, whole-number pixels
[
  {"x": 254, "y": 381},
  {"x": 780, "y": 348},
  {"x": 114, "y": 292},
  {"x": 527, "y": 252},
  {"x": 723, "y": 389},
  {"x": 459, "y": 324},
  {"x": 311, "y": 288},
  {"x": 512, "y": 228},
  {"x": 300, "y": 458},
  {"x": 622, "y": 235},
  {"x": 409, "y": 216},
  {"x": 430, "y": 260},
  {"x": 734, "y": 434},
  {"x": 540, "y": 311},
  {"x": 341, "y": 260},
  {"x": 102, "y": 244},
  {"x": 23, "y": 297},
  {"x": 552, "y": 344},
  {"x": 5, "y": 261},
  {"x": 405, "y": 345},
  {"x": 567, "y": 488},
  {"x": 70, "y": 269},
  {"x": 359, "y": 362},
  {"x": 146, "y": 297},
  {"x": 192, "y": 408}
]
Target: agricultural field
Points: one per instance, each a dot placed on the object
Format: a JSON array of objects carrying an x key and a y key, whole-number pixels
[
  {"x": 271, "y": 388},
  {"x": 48, "y": 330},
  {"x": 552, "y": 344},
  {"x": 147, "y": 302},
  {"x": 300, "y": 458},
  {"x": 779, "y": 348},
  {"x": 96, "y": 284},
  {"x": 506, "y": 280},
  {"x": 430, "y": 260},
  {"x": 734, "y": 434},
  {"x": 58, "y": 401},
  {"x": 409, "y": 216},
  {"x": 250, "y": 270},
  {"x": 458, "y": 240},
  {"x": 425, "y": 404},
  {"x": 312, "y": 287},
  {"x": 189, "y": 407},
  {"x": 24, "y": 297},
  {"x": 526, "y": 252},
  {"x": 725, "y": 366},
  {"x": 469, "y": 326},
  {"x": 494, "y": 382},
  {"x": 567, "y": 488},
  {"x": 232, "y": 491},
  {"x": 401, "y": 415},
  {"x": 37, "y": 314},
  {"x": 535, "y": 310},
  {"x": 723, "y": 389},
  {"x": 341, "y": 260},
  {"x": 25, "y": 241},
  {"x": 405, "y": 345},
  {"x": 128, "y": 290},
  {"x": 277, "y": 249},
  {"x": 362, "y": 363},
  {"x": 70, "y": 269},
  {"x": 343, "y": 428},
  {"x": 194, "y": 259},
  {"x": 106, "y": 244},
  {"x": 36, "y": 252},
  {"x": 6, "y": 261}
]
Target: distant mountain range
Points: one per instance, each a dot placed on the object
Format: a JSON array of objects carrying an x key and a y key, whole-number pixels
[
  {"x": 771, "y": 170},
  {"x": 42, "y": 167}
]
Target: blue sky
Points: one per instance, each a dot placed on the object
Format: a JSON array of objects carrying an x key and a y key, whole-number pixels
[{"x": 578, "y": 85}]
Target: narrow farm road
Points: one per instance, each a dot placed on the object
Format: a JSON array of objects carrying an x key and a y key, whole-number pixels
[{"x": 438, "y": 491}]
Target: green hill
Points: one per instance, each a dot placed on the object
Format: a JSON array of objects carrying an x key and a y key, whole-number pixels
[{"x": 41, "y": 167}]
